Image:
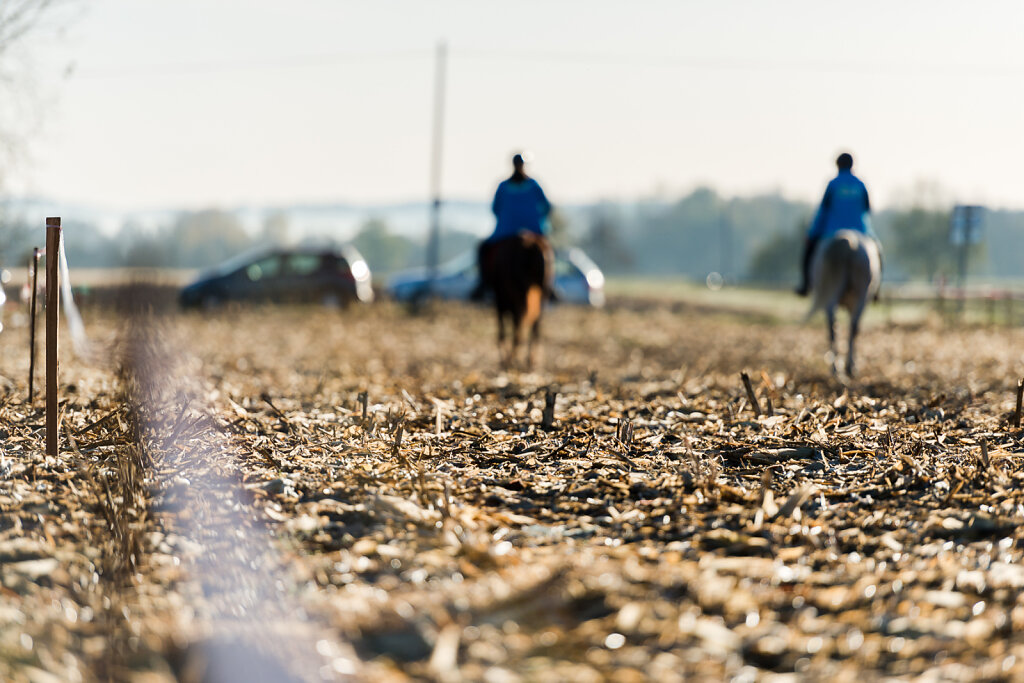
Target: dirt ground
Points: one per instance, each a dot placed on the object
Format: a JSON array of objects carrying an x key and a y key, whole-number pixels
[{"x": 307, "y": 494}]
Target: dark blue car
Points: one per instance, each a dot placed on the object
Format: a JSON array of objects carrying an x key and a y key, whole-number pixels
[{"x": 334, "y": 276}]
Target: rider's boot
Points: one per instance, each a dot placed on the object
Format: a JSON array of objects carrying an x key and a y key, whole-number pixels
[
  {"x": 805, "y": 266},
  {"x": 480, "y": 290}
]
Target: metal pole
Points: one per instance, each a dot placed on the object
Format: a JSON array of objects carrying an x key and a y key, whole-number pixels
[
  {"x": 964, "y": 219},
  {"x": 52, "y": 290},
  {"x": 963, "y": 277},
  {"x": 724, "y": 241},
  {"x": 963, "y": 266},
  {"x": 434, "y": 240},
  {"x": 32, "y": 328}
]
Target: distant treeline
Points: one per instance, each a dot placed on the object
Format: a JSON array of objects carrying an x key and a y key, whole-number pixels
[
  {"x": 760, "y": 239},
  {"x": 205, "y": 238},
  {"x": 745, "y": 239}
]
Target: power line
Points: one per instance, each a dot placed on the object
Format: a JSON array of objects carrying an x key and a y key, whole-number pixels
[
  {"x": 730, "y": 64},
  {"x": 212, "y": 67},
  {"x": 553, "y": 57}
]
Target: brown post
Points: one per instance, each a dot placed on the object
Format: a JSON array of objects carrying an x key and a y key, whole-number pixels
[
  {"x": 751, "y": 396},
  {"x": 32, "y": 328},
  {"x": 1020, "y": 400},
  {"x": 548, "y": 415},
  {"x": 52, "y": 290}
]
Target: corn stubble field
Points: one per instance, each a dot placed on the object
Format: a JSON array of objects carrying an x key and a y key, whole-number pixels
[{"x": 306, "y": 494}]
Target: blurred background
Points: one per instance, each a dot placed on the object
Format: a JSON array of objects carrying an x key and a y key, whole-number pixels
[{"x": 677, "y": 140}]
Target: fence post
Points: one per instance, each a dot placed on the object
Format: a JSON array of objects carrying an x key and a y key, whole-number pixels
[
  {"x": 52, "y": 291},
  {"x": 32, "y": 328}
]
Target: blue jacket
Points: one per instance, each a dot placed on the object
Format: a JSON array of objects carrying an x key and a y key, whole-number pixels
[
  {"x": 519, "y": 205},
  {"x": 844, "y": 206}
]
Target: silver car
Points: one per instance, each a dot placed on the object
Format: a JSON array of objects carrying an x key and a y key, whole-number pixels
[{"x": 578, "y": 280}]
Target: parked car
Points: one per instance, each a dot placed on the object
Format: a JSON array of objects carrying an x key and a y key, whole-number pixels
[
  {"x": 332, "y": 276},
  {"x": 578, "y": 280}
]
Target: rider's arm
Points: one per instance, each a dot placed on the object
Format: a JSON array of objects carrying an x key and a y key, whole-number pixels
[
  {"x": 869, "y": 228},
  {"x": 818, "y": 224},
  {"x": 543, "y": 203},
  {"x": 496, "y": 204}
]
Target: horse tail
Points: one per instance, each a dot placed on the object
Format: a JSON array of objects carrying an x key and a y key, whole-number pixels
[
  {"x": 831, "y": 291},
  {"x": 535, "y": 267},
  {"x": 832, "y": 274},
  {"x": 538, "y": 258},
  {"x": 534, "y": 302}
]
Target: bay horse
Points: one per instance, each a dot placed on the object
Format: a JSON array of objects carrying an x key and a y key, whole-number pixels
[
  {"x": 518, "y": 270},
  {"x": 846, "y": 273}
]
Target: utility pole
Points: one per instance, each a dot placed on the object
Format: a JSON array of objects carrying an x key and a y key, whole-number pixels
[
  {"x": 53, "y": 237},
  {"x": 724, "y": 241},
  {"x": 434, "y": 239},
  {"x": 964, "y": 232}
]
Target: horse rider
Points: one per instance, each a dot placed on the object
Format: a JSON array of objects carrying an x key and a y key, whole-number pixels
[
  {"x": 519, "y": 204},
  {"x": 845, "y": 206}
]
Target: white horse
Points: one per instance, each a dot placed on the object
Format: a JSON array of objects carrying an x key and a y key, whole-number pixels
[{"x": 846, "y": 272}]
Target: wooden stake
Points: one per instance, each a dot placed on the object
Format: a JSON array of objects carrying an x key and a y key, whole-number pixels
[
  {"x": 751, "y": 396},
  {"x": 768, "y": 391},
  {"x": 52, "y": 290},
  {"x": 32, "y": 328},
  {"x": 548, "y": 415},
  {"x": 1020, "y": 398}
]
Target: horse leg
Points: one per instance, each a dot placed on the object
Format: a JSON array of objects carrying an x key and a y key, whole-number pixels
[
  {"x": 531, "y": 320},
  {"x": 854, "y": 328},
  {"x": 830, "y": 320},
  {"x": 502, "y": 355},
  {"x": 531, "y": 356},
  {"x": 517, "y": 328}
]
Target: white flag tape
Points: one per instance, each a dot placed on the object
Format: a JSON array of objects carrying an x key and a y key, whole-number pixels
[{"x": 79, "y": 340}]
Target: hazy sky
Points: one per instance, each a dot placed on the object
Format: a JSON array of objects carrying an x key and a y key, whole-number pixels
[{"x": 215, "y": 102}]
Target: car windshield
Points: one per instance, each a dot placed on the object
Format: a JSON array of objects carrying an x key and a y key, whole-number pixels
[
  {"x": 565, "y": 268},
  {"x": 461, "y": 263},
  {"x": 579, "y": 258}
]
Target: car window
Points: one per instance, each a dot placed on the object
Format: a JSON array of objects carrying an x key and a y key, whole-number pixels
[
  {"x": 303, "y": 264},
  {"x": 264, "y": 268}
]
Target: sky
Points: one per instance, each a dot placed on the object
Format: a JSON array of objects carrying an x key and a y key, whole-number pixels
[{"x": 220, "y": 103}]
